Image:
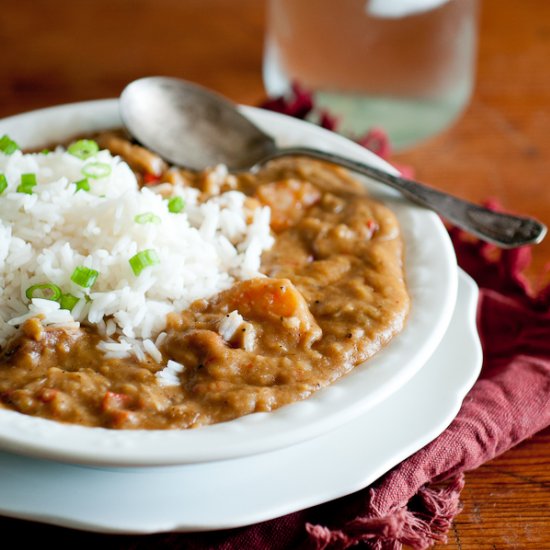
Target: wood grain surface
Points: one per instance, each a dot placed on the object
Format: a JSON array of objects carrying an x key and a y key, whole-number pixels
[{"x": 59, "y": 51}]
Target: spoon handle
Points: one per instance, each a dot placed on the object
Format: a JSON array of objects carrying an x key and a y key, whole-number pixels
[{"x": 504, "y": 230}]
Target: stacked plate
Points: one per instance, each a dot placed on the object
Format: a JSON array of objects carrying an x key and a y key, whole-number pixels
[{"x": 263, "y": 465}]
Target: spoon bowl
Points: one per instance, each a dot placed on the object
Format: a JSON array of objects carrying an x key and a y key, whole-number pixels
[
  {"x": 195, "y": 128},
  {"x": 191, "y": 126}
]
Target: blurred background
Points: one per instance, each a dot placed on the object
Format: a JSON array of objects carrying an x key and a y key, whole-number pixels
[
  {"x": 63, "y": 51},
  {"x": 58, "y": 51}
]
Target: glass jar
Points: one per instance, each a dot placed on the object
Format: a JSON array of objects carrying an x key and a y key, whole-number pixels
[{"x": 406, "y": 66}]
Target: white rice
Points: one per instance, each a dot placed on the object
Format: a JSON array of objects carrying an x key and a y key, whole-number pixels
[
  {"x": 168, "y": 376},
  {"x": 230, "y": 325},
  {"x": 45, "y": 235}
]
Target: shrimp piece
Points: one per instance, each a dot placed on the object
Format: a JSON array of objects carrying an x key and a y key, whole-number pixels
[{"x": 288, "y": 200}]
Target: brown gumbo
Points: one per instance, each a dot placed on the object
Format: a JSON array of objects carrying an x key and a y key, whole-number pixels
[{"x": 334, "y": 295}]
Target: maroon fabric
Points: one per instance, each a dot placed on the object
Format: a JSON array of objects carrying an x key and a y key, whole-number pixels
[
  {"x": 415, "y": 503},
  {"x": 298, "y": 105}
]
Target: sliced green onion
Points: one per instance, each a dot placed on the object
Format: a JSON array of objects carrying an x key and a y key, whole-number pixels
[
  {"x": 3, "y": 183},
  {"x": 147, "y": 217},
  {"x": 96, "y": 170},
  {"x": 28, "y": 182},
  {"x": 68, "y": 301},
  {"x": 83, "y": 148},
  {"x": 84, "y": 276},
  {"x": 143, "y": 259},
  {"x": 45, "y": 152},
  {"x": 7, "y": 145},
  {"x": 46, "y": 291},
  {"x": 82, "y": 185},
  {"x": 176, "y": 205}
]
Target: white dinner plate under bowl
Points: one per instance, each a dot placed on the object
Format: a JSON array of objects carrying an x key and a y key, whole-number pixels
[
  {"x": 431, "y": 274},
  {"x": 247, "y": 490}
]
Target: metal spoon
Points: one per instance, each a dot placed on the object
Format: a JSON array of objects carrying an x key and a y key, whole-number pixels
[{"x": 193, "y": 127}]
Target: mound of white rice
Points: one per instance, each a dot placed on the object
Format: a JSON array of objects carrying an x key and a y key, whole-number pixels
[{"x": 48, "y": 233}]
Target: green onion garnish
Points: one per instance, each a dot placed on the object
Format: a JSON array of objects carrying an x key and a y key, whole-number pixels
[
  {"x": 68, "y": 301},
  {"x": 143, "y": 259},
  {"x": 45, "y": 152},
  {"x": 176, "y": 205},
  {"x": 46, "y": 291},
  {"x": 3, "y": 183},
  {"x": 83, "y": 148},
  {"x": 147, "y": 217},
  {"x": 96, "y": 170},
  {"x": 82, "y": 185},
  {"x": 28, "y": 182},
  {"x": 84, "y": 276},
  {"x": 7, "y": 145}
]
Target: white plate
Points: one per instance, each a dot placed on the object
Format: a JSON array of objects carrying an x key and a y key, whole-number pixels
[
  {"x": 248, "y": 490},
  {"x": 431, "y": 279}
]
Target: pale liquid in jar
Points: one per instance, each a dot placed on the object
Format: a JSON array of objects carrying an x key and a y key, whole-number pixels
[{"x": 411, "y": 76}]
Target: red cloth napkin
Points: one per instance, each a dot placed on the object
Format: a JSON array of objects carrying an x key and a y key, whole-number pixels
[{"x": 414, "y": 503}]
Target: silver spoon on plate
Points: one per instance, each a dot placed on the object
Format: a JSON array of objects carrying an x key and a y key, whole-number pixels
[{"x": 195, "y": 128}]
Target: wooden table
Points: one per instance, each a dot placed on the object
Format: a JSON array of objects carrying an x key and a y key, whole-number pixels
[{"x": 57, "y": 52}]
